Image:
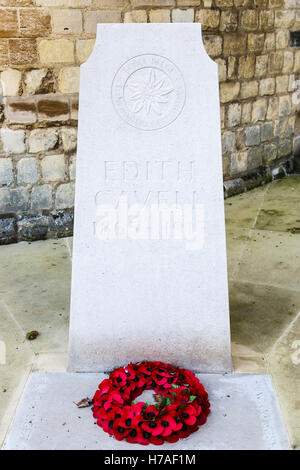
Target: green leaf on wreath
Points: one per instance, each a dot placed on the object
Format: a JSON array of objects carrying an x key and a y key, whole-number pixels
[
  {"x": 175, "y": 386},
  {"x": 192, "y": 398}
]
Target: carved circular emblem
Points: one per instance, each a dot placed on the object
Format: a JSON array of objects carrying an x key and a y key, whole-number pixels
[{"x": 148, "y": 92}]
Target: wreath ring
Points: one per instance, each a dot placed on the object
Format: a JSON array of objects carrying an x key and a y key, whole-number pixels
[{"x": 182, "y": 405}]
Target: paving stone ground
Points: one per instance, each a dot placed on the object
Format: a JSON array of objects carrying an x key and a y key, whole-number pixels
[{"x": 263, "y": 244}]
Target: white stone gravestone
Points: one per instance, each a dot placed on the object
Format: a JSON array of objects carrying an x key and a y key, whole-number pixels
[
  {"x": 149, "y": 266},
  {"x": 149, "y": 263}
]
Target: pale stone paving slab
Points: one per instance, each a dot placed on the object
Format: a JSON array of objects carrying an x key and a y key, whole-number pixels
[{"x": 244, "y": 415}]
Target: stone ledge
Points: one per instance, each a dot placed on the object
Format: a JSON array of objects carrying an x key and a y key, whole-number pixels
[
  {"x": 32, "y": 227},
  {"x": 244, "y": 416}
]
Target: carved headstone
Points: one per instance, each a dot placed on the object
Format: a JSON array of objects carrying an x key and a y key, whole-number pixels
[{"x": 149, "y": 275}]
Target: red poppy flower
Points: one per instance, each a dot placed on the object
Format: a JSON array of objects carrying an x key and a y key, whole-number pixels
[
  {"x": 168, "y": 424},
  {"x": 188, "y": 415}
]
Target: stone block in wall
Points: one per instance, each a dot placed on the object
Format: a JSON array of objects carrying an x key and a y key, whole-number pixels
[
  {"x": 65, "y": 196},
  {"x": 84, "y": 48},
  {"x": 267, "y": 86},
  {"x": 69, "y": 139},
  {"x": 33, "y": 80},
  {"x": 32, "y": 227},
  {"x": 53, "y": 168},
  {"x": 231, "y": 67},
  {"x": 34, "y": 22},
  {"x": 239, "y": 162},
  {"x": 252, "y": 136},
  {"x": 64, "y": 3},
  {"x": 109, "y": 4},
  {"x": 249, "y": 20},
  {"x": 56, "y": 51},
  {"x": 8, "y": 230},
  {"x": 27, "y": 172},
  {"x": 91, "y": 18},
  {"x": 235, "y": 44},
  {"x": 229, "y": 91},
  {"x": 228, "y": 21},
  {"x": 160, "y": 16},
  {"x": 9, "y": 26},
  {"x": 266, "y": 20},
  {"x": 285, "y": 105},
  {"x": 297, "y": 62},
  {"x": 11, "y": 82},
  {"x": 209, "y": 19},
  {"x": 288, "y": 62},
  {"x": 19, "y": 200},
  {"x": 43, "y": 140},
  {"x": 246, "y": 66},
  {"x": 261, "y": 65},
  {"x": 53, "y": 107},
  {"x": 41, "y": 197},
  {"x": 183, "y": 16},
  {"x": 61, "y": 223},
  {"x": 266, "y": 131},
  {"x": 256, "y": 42},
  {"x": 228, "y": 142},
  {"x": 68, "y": 80},
  {"x": 6, "y": 171},
  {"x": 4, "y": 59},
  {"x": 284, "y": 18},
  {"x": 213, "y": 45},
  {"x": 135, "y": 16},
  {"x": 13, "y": 141},
  {"x": 246, "y": 113},
  {"x": 276, "y": 3},
  {"x": 255, "y": 157},
  {"x": 275, "y": 62},
  {"x": 224, "y": 3},
  {"x": 273, "y": 108},
  {"x": 269, "y": 44},
  {"x": 269, "y": 152},
  {"x": 66, "y": 21},
  {"x": 282, "y": 39},
  {"x": 249, "y": 89},
  {"x": 280, "y": 126},
  {"x": 234, "y": 113},
  {"x": 282, "y": 83},
  {"x": 72, "y": 168},
  {"x": 222, "y": 69},
  {"x": 19, "y": 110},
  {"x": 22, "y": 51},
  {"x": 152, "y": 3},
  {"x": 74, "y": 107},
  {"x": 259, "y": 109},
  {"x": 285, "y": 147}
]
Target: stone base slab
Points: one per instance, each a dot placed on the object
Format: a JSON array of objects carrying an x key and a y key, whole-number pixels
[{"x": 244, "y": 415}]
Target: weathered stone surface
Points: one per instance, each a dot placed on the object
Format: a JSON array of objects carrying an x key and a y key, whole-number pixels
[
  {"x": 229, "y": 21},
  {"x": 53, "y": 51},
  {"x": 252, "y": 135},
  {"x": 249, "y": 89},
  {"x": 160, "y": 16},
  {"x": 275, "y": 62},
  {"x": 53, "y": 168},
  {"x": 255, "y": 157},
  {"x": 34, "y": 22},
  {"x": 135, "y": 16},
  {"x": 229, "y": 91},
  {"x": 288, "y": 61},
  {"x": 228, "y": 142},
  {"x": 222, "y": 69},
  {"x": 152, "y": 3},
  {"x": 4, "y": 59},
  {"x": 249, "y": 20},
  {"x": 72, "y": 168},
  {"x": 246, "y": 66},
  {"x": 270, "y": 152},
  {"x": 8, "y": 230},
  {"x": 266, "y": 20},
  {"x": 27, "y": 172},
  {"x": 67, "y": 21},
  {"x": 53, "y": 107},
  {"x": 267, "y": 86},
  {"x": 64, "y": 3},
  {"x": 41, "y": 197},
  {"x": 6, "y": 171},
  {"x": 91, "y": 18},
  {"x": 285, "y": 105},
  {"x": 285, "y": 147},
  {"x": 69, "y": 139},
  {"x": 259, "y": 109},
  {"x": 282, "y": 83},
  {"x": 246, "y": 112},
  {"x": 64, "y": 198},
  {"x": 273, "y": 108},
  {"x": 20, "y": 110},
  {"x": 13, "y": 140},
  {"x": 9, "y": 27},
  {"x": 31, "y": 228},
  {"x": 183, "y": 16},
  {"x": 213, "y": 45},
  {"x": 261, "y": 65},
  {"x": 239, "y": 162},
  {"x": 284, "y": 18},
  {"x": 256, "y": 42},
  {"x": 209, "y": 19},
  {"x": 68, "y": 80},
  {"x": 235, "y": 44},
  {"x": 266, "y": 131},
  {"x": 42, "y": 140},
  {"x": 61, "y": 224},
  {"x": 74, "y": 107},
  {"x": 84, "y": 48},
  {"x": 232, "y": 187},
  {"x": 22, "y": 51},
  {"x": 10, "y": 82},
  {"x": 33, "y": 80},
  {"x": 234, "y": 114}
]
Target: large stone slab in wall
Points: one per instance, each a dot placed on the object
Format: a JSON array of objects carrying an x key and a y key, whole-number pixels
[{"x": 149, "y": 262}]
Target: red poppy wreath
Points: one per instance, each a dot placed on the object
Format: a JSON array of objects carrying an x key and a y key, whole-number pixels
[{"x": 182, "y": 405}]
